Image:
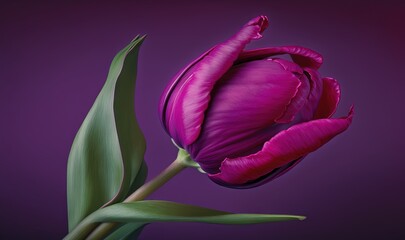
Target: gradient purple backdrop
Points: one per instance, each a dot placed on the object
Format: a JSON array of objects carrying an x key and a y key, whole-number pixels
[{"x": 55, "y": 58}]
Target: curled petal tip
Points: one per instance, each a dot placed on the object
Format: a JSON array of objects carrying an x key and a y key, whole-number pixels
[{"x": 262, "y": 22}]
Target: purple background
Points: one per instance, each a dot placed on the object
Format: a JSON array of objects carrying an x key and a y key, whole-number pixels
[{"x": 55, "y": 58}]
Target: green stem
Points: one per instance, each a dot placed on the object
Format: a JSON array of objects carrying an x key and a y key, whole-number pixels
[{"x": 84, "y": 229}]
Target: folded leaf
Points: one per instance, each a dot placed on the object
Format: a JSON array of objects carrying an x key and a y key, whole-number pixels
[{"x": 107, "y": 153}]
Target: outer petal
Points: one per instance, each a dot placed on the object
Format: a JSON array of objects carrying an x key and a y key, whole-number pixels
[
  {"x": 329, "y": 99},
  {"x": 285, "y": 147},
  {"x": 266, "y": 178},
  {"x": 248, "y": 99},
  {"x": 304, "y": 57},
  {"x": 193, "y": 96},
  {"x": 166, "y": 103}
]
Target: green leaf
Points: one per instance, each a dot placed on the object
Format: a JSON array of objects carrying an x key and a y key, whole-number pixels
[
  {"x": 143, "y": 212},
  {"x": 131, "y": 230},
  {"x": 127, "y": 231},
  {"x": 108, "y": 150},
  {"x": 163, "y": 211},
  {"x": 139, "y": 180}
]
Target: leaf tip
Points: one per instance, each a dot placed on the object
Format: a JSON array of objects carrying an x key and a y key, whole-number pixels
[{"x": 139, "y": 38}]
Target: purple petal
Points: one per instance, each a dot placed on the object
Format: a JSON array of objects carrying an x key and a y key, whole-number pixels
[
  {"x": 304, "y": 57},
  {"x": 285, "y": 147},
  {"x": 329, "y": 99},
  {"x": 193, "y": 95},
  {"x": 278, "y": 172},
  {"x": 245, "y": 102},
  {"x": 300, "y": 98},
  {"x": 308, "y": 110},
  {"x": 166, "y": 103}
]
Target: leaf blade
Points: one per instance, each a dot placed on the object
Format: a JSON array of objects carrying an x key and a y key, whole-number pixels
[
  {"x": 108, "y": 150},
  {"x": 164, "y": 211},
  {"x": 127, "y": 231}
]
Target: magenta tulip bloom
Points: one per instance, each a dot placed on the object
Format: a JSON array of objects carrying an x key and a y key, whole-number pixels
[{"x": 248, "y": 116}]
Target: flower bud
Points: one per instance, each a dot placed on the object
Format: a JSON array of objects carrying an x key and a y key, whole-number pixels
[{"x": 248, "y": 116}]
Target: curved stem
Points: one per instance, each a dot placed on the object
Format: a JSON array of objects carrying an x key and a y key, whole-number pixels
[
  {"x": 172, "y": 170},
  {"x": 85, "y": 229}
]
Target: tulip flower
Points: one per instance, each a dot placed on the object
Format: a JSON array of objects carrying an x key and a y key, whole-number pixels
[{"x": 248, "y": 116}]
